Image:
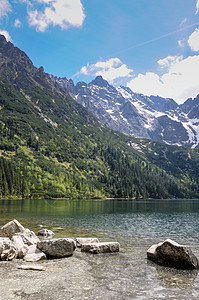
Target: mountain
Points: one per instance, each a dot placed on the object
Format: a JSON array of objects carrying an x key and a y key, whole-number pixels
[
  {"x": 52, "y": 146},
  {"x": 156, "y": 118}
]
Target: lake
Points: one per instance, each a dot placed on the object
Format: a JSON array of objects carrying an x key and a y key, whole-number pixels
[{"x": 136, "y": 225}]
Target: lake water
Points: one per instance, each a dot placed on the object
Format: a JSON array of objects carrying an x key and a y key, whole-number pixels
[{"x": 136, "y": 225}]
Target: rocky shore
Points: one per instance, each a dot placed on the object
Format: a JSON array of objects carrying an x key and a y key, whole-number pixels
[{"x": 30, "y": 270}]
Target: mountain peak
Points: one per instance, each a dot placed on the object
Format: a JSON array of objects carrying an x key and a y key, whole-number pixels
[
  {"x": 99, "y": 81},
  {"x": 2, "y": 40}
]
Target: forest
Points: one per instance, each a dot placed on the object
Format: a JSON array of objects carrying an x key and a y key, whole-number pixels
[{"x": 52, "y": 147}]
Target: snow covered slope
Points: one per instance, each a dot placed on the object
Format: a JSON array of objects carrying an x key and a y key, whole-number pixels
[{"x": 156, "y": 118}]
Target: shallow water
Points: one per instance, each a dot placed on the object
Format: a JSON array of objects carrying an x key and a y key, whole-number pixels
[{"x": 136, "y": 225}]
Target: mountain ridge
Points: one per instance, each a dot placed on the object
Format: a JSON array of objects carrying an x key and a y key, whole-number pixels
[
  {"x": 157, "y": 118},
  {"x": 52, "y": 146}
]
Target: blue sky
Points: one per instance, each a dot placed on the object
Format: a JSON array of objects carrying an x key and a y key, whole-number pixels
[{"x": 152, "y": 46}]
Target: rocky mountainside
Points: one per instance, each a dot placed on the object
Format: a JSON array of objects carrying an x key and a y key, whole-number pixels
[
  {"x": 137, "y": 115},
  {"x": 52, "y": 146}
]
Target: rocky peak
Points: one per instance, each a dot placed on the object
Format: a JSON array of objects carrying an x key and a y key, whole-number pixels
[
  {"x": 3, "y": 41},
  {"x": 99, "y": 81}
]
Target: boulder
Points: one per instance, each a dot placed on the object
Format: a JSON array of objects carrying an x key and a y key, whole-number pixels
[
  {"x": 97, "y": 248},
  {"x": 34, "y": 254},
  {"x": 11, "y": 228},
  {"x": 21, "y": 248},
  {"x": 29, "y": 237},
  {"x": 172, "y": 254},
  {"x": 61, "y": 247},
  {"x": 81, "y": 241},
  {"x": 7, "y": 249},
  {"x": 46, "y": 233}
]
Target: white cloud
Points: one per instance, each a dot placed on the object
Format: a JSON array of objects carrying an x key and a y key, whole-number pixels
[
  {"x": 181, "y": 43},
  {"x": 110, "y": 70},
  {"x": 197, "y": 6},
  {"x": 6, "y": 34},
  {"x": 4, "y": 7},
  {"x": 63, "y": 13},
  {"x": 17, "y": 23},
  {"x": 179, "y": 82},
  {"x": 193, "y": 40},
  {"x": 169, "y": 61}
]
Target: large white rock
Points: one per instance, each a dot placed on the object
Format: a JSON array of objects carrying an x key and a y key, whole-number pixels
[
  {"x": 7, "y": 249},
  {"x": 97, "y": 248},
  {"x": 21, "y": 248},
  {"x": 172, "y": 254},
  {"x": 81, "y": 241},
  {"x": 34, "y": 254},
  {"x": 11, "y": 228},
  {"x": 62, "y": 247},
  {"x": 29, "y": 237}
]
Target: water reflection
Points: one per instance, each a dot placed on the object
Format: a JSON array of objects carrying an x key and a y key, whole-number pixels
[{"x": 174, "y": 278}]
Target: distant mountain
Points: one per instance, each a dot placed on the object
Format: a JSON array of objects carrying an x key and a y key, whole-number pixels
[
  {"x": 52, "y": 146},
  {"x": 154, "y": 117}
]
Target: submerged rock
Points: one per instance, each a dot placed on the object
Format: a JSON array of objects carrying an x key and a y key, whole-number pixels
[
  {"x": 7, "y": 249},
  {"x": 97, "y": 248},
  {"x": 34, "y": 254},
  {"x": 81, "y": 241},
  {"x": 59, "y": 248},
  {"x": 11, "y": 228},
  {"x": 46, "y": 233},
  {"x": 172, "y": 254}
]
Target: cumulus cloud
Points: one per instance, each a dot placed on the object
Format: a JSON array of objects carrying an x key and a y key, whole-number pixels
[
  {"x": 193, "y": 40},
  {"x": 168, "y": 61},
  {"x": 4, "y": 8},
  {"x": 6, "y": 34},
  {"x": 17, "y": 23},
  {"x": 63, "y": 13},
  {"x": 110, "y": 70},
  {"x": 179, "y": 82}
]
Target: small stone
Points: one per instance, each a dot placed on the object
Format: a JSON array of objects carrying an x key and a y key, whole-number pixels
[
  {"x": 97, "y": 248},
  {"x": 31, "y": 267},
  {"x": 81, "y": 241},
  {"x": 46, "y": 233}
]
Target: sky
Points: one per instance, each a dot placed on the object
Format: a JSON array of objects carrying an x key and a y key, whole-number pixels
[{"x": 151, "y": 46}]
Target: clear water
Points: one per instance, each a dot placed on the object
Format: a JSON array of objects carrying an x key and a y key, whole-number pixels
[{"x": 136, "y": 225}]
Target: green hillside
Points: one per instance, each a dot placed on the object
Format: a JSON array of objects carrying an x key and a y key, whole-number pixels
[{"x": 50, "y": 146}]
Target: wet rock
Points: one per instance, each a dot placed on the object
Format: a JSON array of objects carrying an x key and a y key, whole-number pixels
[
  {"x": 7, "y": 249},
  {"x": 34, "y": 254},
  {"x": 62, "y": 247},
  {"x": 29, "y": 237},
  {"x": 170, "y": 253},
  {"x": 81, "y": 241},
  {"x": 11, "y": 228},
  {"x": 21, "y": 248},
  {"x": 97, "y": 248},
  {"x": 46, "y": 233}
]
